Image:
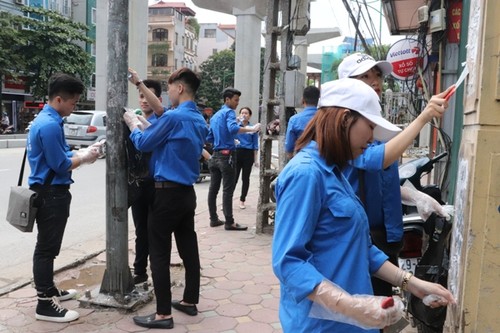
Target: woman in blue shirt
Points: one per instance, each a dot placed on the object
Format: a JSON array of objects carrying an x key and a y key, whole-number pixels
[
  {"x": 322, "y": 252},
  {"x": 246, "y": 154}
]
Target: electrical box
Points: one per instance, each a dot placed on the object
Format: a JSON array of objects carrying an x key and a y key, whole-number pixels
[
  {"x": 423, "y": 14},
  {"x": 300, "y": 17},
  {"x": 294, "y": 88},
  {"x": 437, "y": 20}
]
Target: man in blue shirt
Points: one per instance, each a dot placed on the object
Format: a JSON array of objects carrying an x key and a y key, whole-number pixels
[
  {"x": 223, "y": 130},
  {"x": 298, "y": 122},
  {"x": 176, "y": 140},
  {"x": 51, "y": 162}
]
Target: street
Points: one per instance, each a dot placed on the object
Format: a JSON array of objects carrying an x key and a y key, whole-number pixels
[{"x": 85, "y": 232}]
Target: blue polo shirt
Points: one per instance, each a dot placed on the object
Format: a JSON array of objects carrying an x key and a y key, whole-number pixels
[
  {"x": 47, "y": 149},
  {"x": 176, "y": 140},
  {"x": 296, "y": 126},
  {"x": 321, "y": 232},
  {"x": 223, "y": 129},
  {"x": 248, "y": 140},
  {"x": 382, "y": 190}
]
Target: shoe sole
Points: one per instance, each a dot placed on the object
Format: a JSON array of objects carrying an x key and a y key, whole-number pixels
[{"x": 58, "y": 319}]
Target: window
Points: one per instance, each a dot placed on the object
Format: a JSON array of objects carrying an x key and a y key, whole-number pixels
[
  {"x": 92, "y": 80},
  {"x": 159, "y": 60},
  {"x": 93, "y": 49},
  {"x": 183, "y": 41},
  {"x": 214, "y": 51},
  {"x": 160, "y": 35},
  {"x": 209, "y": 33},
  {"x": 176, "y": 38},
  {"x": 94, "y": 16}
]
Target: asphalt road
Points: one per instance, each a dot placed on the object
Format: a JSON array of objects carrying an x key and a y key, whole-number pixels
[{"x": 85, "y": 233}]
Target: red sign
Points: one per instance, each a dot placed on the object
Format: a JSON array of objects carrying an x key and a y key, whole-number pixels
[
  {"x": 406, "y": 56},
  {"x": 454, "y": 23},
  {"x": 18, "y": 83}
]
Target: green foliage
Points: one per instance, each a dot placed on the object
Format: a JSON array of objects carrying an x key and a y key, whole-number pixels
[
  {"x": 217, "y": 73},
  {"x": 11, "y": 61},
  {"x": 192, "y": 21},
  {"x": 51, "y": 45},
  {"x": 158, "y": 48}
]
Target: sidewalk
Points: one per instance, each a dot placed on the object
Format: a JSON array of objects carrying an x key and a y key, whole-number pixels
[{"x": 239, "y": 292}]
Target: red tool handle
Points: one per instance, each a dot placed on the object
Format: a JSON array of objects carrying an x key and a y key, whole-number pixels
[
  {"x": 387, "y": 303},
  {"x": 450, "y": 93}
]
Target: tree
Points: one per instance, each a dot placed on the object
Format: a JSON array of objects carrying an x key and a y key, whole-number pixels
[
  {"x": 217, "y": 73},
  {"x": 11, "y": 60},
  {"x": 52, "y": 47},
  {"x": 192, "y": 21}
]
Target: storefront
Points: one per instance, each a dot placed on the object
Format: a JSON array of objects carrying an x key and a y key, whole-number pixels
[{"x": 18, "y": 104}]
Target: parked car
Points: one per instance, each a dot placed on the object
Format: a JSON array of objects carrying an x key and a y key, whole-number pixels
[{"x": 84, "y": 128}]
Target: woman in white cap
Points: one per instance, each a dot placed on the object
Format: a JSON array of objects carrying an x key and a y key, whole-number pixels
[
  {"x": 379, "y": 188},
  {"x": 322, "y": 252}
]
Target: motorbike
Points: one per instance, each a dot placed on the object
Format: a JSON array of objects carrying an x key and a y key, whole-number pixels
[
  {"x": 6, "y": 129},
  {"x": 425, "y": 249}
]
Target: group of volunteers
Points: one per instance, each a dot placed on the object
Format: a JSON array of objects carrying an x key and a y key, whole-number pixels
[{"x": 338, "y": 227}]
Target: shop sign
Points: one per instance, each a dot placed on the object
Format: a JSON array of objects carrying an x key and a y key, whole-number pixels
[
  {"x": 455, "y": 22},
  {"x": 406, "y": 56},
  {"x": 18, "y": 83}
]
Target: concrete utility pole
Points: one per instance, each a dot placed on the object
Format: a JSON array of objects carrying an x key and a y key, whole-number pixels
[{"x": 117, "y": 279}]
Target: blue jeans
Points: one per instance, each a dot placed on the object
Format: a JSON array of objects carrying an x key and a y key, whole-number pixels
[
  {"x": 51, "y": 218},
  {"x": 222, "y": 168}
]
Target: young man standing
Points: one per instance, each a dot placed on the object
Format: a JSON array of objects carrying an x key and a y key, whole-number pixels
[
  {"x": 222, "y": 165},
  {"x": 298, "y": 122},
  {"x": 143, "y": 184},
  {"x": 51, "y": 162},
  {"x": 176, "y": 140}
]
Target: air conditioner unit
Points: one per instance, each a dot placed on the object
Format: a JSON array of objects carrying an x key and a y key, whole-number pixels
[
  {"x": 423, "y": 14},
  {"x": 20, "y": 2}
]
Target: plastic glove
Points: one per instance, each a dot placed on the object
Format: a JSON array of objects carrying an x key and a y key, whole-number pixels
[
  {"x": 426, "y": 205},
  {"x": 255, "y": 128},
  {"x": 143, "y": 123},
  {"x": 132, "y": 120},
  {"x": 87, "y": 155},
  {"x": 333, "y": 303}
]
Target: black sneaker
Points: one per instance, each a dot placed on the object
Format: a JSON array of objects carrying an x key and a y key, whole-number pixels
[
  {"x": 140, "y": 278},
  {"x": 61, "y": 294},
  {"x": 217, "y": 223},
  {"x": 49, "y": 309}
]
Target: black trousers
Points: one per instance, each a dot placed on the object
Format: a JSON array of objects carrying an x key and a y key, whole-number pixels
[
  {"x": 244, "y": 162},
  {"x": 379, "y": 238},
  {"x": 222, "y": 168},
  {"x": 51, "y": 218},
  {"x": 173, "y": 212},
  {"x": 140, "y": 209}
]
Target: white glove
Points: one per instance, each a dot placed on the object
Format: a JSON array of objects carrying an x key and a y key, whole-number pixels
[
  {"x": 132, "y": 120},
  {"x": 426, "y": 205},
  {"x": 143, "y": 123},
  {"x": 87, "y": 155},
  {"x": 255, "y": 128},
  {"x": 333, "y": 303}
]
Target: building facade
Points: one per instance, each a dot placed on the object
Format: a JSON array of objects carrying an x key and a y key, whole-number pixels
[
  {"x": 172, "y": 40},
  {"x": 214, "y": 38}
]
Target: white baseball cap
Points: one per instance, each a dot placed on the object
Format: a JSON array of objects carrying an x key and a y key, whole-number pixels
[
  {"x": 359, "y": 63},
  {"x": 356, "y": 95}
]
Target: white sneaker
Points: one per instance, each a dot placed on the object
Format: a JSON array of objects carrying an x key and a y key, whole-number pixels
[
  {"x": 49, "y": 309},
  {"x": 242, "y": 205},
  {"x": 64, "y": 295}
]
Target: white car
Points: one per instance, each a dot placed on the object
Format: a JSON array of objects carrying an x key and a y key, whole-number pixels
[{"x": 84, "y": 128}]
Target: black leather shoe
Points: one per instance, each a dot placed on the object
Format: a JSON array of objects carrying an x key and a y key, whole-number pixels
[
  {"x": 140, "y": 278},
  {"x": 190, "y": 310},
  {"x": 235, "y": 226},
  {"x": 150, "y": 322},
  {"x": 217, "y": 223}
]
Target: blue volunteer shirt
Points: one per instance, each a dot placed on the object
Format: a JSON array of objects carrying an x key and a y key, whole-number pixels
[
  {"x": 47, "y": 149},
  {"x": 296, "y": 126},
  {"x": 176, "y": 140},
  {"x": 248, "y": 140},
  {"x": 382, "y": 190},
  {"x": 224, "y": 124},
  {"x": 321, "y": 232}
]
